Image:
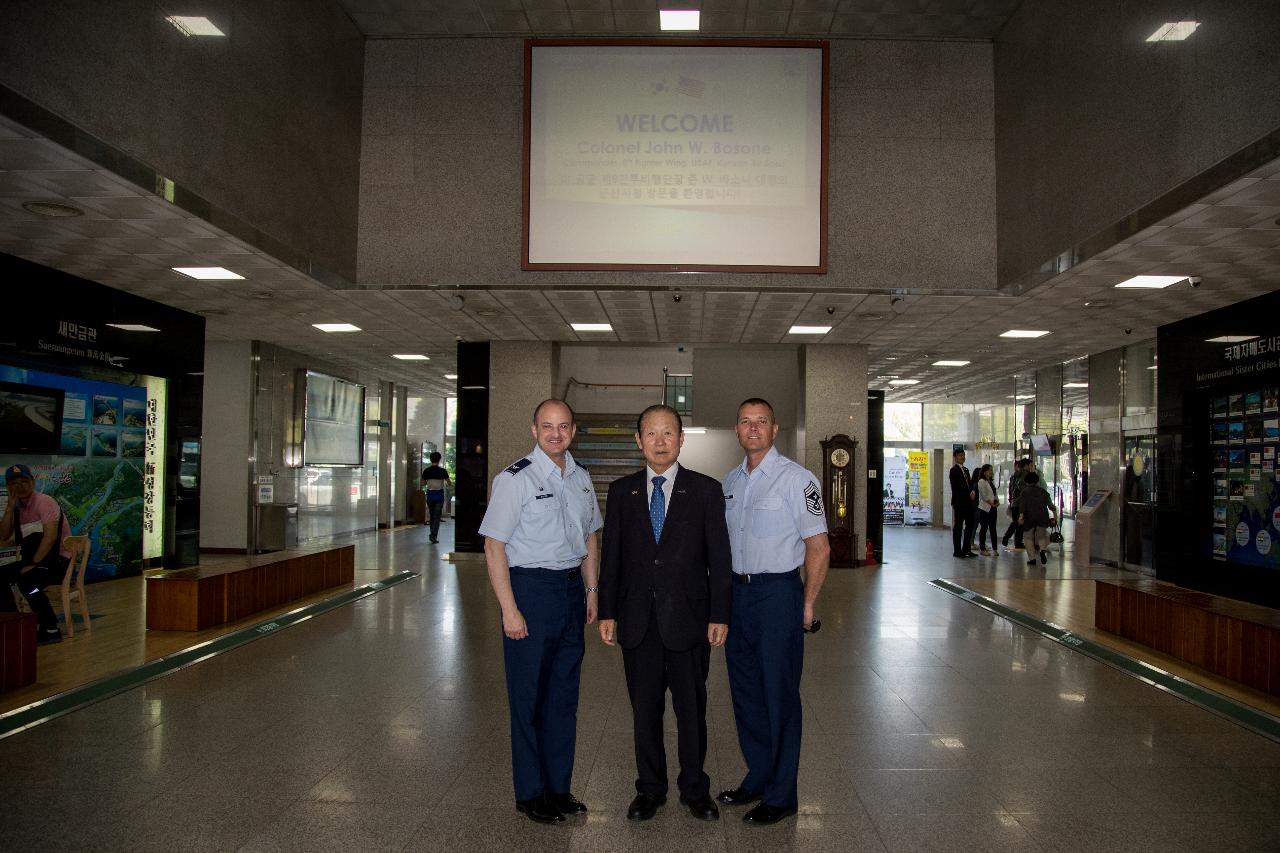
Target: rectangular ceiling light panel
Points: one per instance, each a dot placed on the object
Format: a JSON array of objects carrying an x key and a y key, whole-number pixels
[
  {"x": 1174, "y": 31},
  {"x": 1024, "y": 333},
  {"x": 1151, "y": 282},
  {"x": 209, "y": 273},
  {"x": 336, "y": 327},
  {"x": 809, "y": 330},
  {"x": 672, "y": 20},
  {"x": 194, "y": 25},
  {"x": 592, "y": 327}
]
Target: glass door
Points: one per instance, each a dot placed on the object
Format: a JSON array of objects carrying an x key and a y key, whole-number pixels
[{"x": 1139, "y": 503}]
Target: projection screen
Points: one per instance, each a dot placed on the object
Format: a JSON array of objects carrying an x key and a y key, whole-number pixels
[{"x": 675, "y": 155}]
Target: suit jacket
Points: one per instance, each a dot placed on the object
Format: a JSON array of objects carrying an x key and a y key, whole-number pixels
[
  {"x": 686, "y": 576},
  {"x": 961, "y": 485}
]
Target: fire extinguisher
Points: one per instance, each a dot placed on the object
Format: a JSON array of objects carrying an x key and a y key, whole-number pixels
[{"x": 871, "y": 554}]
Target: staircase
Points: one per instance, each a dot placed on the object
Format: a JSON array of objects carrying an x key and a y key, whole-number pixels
[{"x": 605, "y": 445}]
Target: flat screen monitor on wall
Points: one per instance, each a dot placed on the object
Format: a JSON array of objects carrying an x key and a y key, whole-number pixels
[
  {"x": 333, "y": 424},
  {"x": 675, "y": 155},
  {"x": 30, "y": 418}
]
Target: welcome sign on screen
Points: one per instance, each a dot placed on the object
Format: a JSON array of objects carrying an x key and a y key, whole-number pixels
[{"x": 696, "y": 156}]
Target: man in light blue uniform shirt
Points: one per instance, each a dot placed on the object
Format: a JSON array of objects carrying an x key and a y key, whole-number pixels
[
  {"x": 543, "y": 558},
  {"x": 777, "y": 524}
]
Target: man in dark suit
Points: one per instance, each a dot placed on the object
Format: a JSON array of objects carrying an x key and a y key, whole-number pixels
[
  {"x": 963, "y": 504},
  {"x": 665, "y": 595}
]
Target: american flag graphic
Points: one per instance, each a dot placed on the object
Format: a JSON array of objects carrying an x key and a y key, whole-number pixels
[{"x": 689, "y": 86}]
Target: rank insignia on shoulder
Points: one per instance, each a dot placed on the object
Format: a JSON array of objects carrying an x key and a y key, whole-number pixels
[
  {"x": 812, "y": 499},
  {"x": 520, "y": 466}
]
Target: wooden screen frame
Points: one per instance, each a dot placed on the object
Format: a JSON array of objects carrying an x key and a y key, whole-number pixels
[{"x": 821, "y": 45}]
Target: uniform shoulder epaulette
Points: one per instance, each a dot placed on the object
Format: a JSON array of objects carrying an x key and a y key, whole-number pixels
[{"x": 519, "y": 466}]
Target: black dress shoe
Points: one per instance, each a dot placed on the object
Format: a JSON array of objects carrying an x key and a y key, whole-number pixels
[
  {"x": 702, "y": 807},
  {"x": 737, "y": 797},
  {"x": 539, "y": 809},
  {"x": 765, "y": 814},
  {"x": 644, "y": 806},
  {"x": 567, "y": 804}
]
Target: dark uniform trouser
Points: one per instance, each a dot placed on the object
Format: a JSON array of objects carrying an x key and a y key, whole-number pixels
[
  {"x": 765, "y": 656},
  {"x": 31, "y": 584},
  {"x": 961, "y": 529},
  {"x": 434, "y": 509},
  {"x": 543, "y": 671},
  {"x": 651, "y": 670}
]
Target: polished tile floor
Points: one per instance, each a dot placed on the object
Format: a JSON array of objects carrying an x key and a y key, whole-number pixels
[{"x": 930, "y": 724}]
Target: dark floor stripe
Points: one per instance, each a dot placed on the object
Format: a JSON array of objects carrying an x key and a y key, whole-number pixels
[
  {"x": 1244, "y": 715},
  {"x": 47, "y": 709}
]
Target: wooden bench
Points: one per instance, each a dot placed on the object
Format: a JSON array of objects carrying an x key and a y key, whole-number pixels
[
  {"x": 1231, "y": 638},
  {"x": 200, "y": 597},
  {"x": 17, "y": 650}
]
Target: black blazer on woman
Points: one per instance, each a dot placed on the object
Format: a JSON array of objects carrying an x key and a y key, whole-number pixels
[{"x": 686, "y": 576}]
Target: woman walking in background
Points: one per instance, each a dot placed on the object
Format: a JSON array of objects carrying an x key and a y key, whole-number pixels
[{"x": 987, "y": 503}]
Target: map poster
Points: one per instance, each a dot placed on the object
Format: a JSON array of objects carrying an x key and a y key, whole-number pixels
[{"x": 97, "y": 476}]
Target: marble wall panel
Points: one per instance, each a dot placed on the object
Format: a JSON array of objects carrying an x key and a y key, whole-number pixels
[
  {"x": 835, "y": 402},
  {"x": 912, "y": 187},
  {"x": 1093, "y": 121},
  {"x": 520, "y": 376}
]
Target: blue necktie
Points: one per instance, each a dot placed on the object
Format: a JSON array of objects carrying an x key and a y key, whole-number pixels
[{"x": 657, "y": 508}]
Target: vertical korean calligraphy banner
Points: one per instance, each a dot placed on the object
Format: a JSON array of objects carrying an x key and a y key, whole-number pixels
[{"x": 895, "y": 489}]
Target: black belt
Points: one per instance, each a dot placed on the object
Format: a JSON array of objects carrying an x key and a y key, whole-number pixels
[{"x": 765, "y": 577}]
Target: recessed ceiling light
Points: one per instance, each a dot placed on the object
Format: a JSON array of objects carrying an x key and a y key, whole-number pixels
[
  {"x": 1024, "y": 333},
  {"x": 948, "y": 363},
  {"x": 472, "y": 387},
  {"x": 591, "y": 327},
  {"x": 336, "y": 327},
  {"x": 52, "y": 209},
  {"x": 451, "y": 376},
  {"x": 208, "y": 273},
  {"x": 1229, "y": 339},
  {"x": 678, "y": 19},
  {"x": 904, "y": 381},
  {"x": 194, "y": 25},
  {"x": 1024, "y": 396},
  {"x": 1151, "y": 282},
  {"x": 1152, "y": 367},
  {"x": 809, "y": 330},
  {"x": 132, "y": 327},
  {"x": 1174, "y": 31},
  {"x": 412, "y": 356},
  {"x": 1076, "y": 385},
  {"x": 695, "y": 430}
]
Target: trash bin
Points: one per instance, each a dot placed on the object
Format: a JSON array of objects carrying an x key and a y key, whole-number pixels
[{"x": 277, "y": 526}]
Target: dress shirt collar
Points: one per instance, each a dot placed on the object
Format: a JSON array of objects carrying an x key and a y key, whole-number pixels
[
  {"x": 669, "y": 474},
  {"x": 770, "y": 459},
  {"x": 547, "y": 467}
]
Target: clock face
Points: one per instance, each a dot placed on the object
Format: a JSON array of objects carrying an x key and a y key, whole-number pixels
[{"x": 839, "y": 457}]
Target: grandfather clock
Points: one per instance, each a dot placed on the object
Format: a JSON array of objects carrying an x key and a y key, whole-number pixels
[{"x": 838, "y": 454}]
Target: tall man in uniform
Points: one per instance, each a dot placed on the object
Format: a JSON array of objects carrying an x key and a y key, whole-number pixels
[
  {"x": 665, "y": 593},
  {"x": 776, "y": 524},
  {"x": 963, "y": 505},
  {"x": 541, "y": 549}
]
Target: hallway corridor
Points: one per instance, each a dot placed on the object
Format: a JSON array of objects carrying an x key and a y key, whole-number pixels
[{"x": 930, "y": 724}]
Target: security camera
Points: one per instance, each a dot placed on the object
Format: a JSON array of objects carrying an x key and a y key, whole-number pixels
[
  {"x": 676, "y": 297},
  {"x": 1128, "y": 331},
  {"x": 458, "y": 338},
  {"x": 1194, "y": 281},
  {"x": 831, "y": 309}
]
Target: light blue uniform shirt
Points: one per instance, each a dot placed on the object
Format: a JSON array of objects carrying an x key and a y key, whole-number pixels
[
  {"x": 770, "y": 512},
  {"x": 543, "y": 514}
]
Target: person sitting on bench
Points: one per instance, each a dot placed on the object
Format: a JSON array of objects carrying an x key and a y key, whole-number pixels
[{"x": 38, "y": 527}]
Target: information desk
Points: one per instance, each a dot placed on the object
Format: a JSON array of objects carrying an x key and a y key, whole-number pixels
[
  {"x": 17, "y": 650},
  {"x": 203, "y": 596},
  {"x": 1231, "y": 638}
]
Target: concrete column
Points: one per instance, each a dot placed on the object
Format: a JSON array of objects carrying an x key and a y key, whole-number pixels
[
  {"x": 835, "y": 401},
  {"x": 226, "y": 445},
  {"x": 520, "y": 377}
]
